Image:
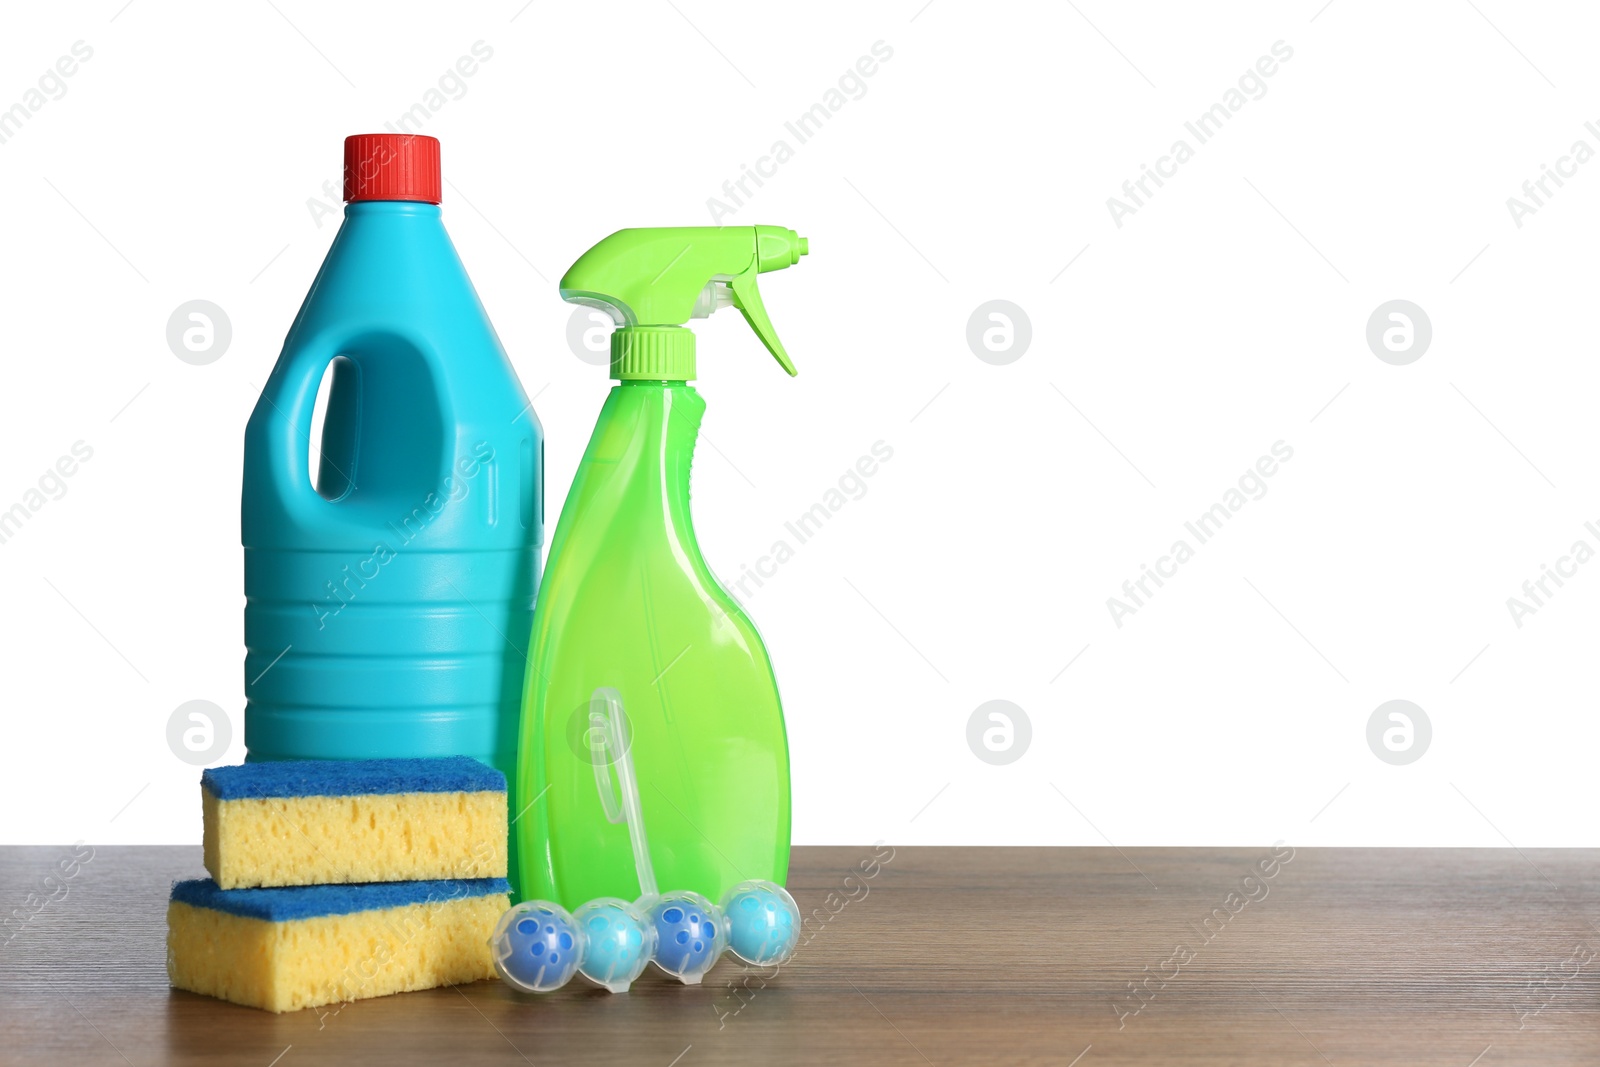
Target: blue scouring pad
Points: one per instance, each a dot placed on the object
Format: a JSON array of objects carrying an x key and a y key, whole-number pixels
[
  {"x": 342, "y": 778},
  {"x": 292, "y": 903}
]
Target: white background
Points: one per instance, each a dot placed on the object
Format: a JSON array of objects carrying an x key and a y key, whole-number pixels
[{"x": 1227, "y": 314}]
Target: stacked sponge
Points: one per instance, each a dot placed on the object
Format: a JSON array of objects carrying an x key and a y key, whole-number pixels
[{"x": 337, "y": 880}]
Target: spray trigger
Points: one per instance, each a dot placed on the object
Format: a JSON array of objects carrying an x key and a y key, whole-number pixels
[{"x": 747, "y": 298}]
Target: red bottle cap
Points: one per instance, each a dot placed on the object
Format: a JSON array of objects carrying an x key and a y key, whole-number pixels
[{"x": 391, "y": 166}]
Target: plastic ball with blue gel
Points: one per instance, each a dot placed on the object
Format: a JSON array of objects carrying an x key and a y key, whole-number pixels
[
  {"x": 621, "y": 938},
  {"x": 763, "y": 922},
  {"x": 537, "y": 946},
  {"x": 689, "y": 934}
]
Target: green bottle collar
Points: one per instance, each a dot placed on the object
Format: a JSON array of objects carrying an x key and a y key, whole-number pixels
[{"x": 652, "y": 353}]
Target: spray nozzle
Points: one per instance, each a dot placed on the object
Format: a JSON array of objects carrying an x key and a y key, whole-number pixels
[{"x": 654, "y": 279}]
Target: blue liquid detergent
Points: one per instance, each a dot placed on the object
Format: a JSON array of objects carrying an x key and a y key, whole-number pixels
[{"x": 387, "y": 604}]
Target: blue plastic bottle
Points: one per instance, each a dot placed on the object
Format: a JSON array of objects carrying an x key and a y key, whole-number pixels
[{"x": 387, "y": 604}]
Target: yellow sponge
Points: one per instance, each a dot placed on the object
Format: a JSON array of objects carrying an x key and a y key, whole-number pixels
[
  {"x": 311, "y": 822},
  {"x": 284, "y": 949}
]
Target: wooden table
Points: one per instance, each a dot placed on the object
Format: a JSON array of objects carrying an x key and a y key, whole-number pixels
[{"x": 931, "y": 956}]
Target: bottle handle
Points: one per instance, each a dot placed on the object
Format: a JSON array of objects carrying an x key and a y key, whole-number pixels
[{"x": 287, "y": 405}]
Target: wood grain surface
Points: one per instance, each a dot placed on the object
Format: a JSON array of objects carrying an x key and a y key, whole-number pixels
[{"x": 916, "y": 956}]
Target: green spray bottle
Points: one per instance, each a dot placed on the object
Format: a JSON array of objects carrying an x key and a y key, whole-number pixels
[{"x": 628, "y": 604}]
